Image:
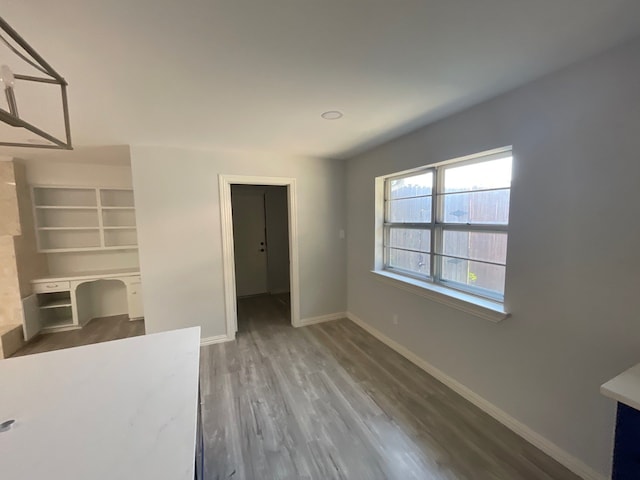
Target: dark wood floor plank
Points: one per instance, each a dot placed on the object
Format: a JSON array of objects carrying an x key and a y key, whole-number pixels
[
  {"x": 98, "y": 330},
  {"x": 329, "y": 401}
]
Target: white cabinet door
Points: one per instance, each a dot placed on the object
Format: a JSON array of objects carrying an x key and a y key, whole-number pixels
[
  {"x": 31, "y": 323},
  {"x": 134, "y": 298}
]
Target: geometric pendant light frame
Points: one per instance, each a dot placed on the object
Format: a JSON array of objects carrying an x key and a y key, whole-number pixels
[{"x": 7, "y": 81}]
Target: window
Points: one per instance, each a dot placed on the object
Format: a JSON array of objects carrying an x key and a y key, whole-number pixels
[{"x": 447, "y": 224}]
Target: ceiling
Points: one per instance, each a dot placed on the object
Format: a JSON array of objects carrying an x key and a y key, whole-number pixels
[{"x": 256, "y": 75}]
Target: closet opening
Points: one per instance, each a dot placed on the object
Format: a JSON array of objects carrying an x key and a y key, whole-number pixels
[
  {"x": 261, "y": 254},
  {"x": 260, "y": 251}
]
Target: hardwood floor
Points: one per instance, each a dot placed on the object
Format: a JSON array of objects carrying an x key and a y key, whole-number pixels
[
  {"x": 330, "y": 401},
  {"x": 96, "y": 331}
]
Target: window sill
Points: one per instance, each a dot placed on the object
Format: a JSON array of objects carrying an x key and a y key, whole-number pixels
[{"x": 479, "y": 307}]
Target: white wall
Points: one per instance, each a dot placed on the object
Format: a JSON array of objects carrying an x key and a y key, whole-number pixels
[
  {"x": 573, "y": 262},
  {"x": 179, "y": 230},
  {"x": 45, "y": 172}
]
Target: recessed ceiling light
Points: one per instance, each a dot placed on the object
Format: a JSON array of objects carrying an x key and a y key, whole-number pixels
[{"x": 332, "y": 115}]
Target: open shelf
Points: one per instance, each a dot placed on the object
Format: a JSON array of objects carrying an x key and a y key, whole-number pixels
[
  {"x": 65, "y": 207},
  {"x": 56, "y": 319},
  {"x": 120, "y": 237},
  {"x": 74, "y": 219},
  {"x": 68, "y": 228},
  {"x": 56, "y": 310},
  {"x": 69, "y": 239},
  {"x": 61, "y": 218},
  {"x": 116, "y": 198},
  {"x": 59, "y": 322},
  {"x": 53, "y": 299},
  {"x": 65, "y": 196},
  {"x": 57, "y": 303},
  {"x": 119, "y": 218}
]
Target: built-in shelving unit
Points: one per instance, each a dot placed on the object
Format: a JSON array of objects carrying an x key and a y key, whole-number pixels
[
  {"x": 71, "y": 219},
  {"x": 56, "y": 311}
]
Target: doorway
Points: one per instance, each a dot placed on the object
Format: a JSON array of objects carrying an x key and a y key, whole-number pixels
[{"x": 259, "y": 240}]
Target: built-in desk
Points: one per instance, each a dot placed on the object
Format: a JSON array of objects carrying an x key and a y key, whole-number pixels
[
  {"x": 121, "y": 410},
  {"x": 59, "y": 304}
]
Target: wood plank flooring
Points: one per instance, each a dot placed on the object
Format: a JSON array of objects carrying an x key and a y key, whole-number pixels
[
  {"x": 330, "y": 401},
  {"x": 97, "y": 330}
]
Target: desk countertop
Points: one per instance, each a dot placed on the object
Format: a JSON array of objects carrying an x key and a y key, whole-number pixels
[
  {"x": 87, "y": 275},
  {"x": 625, "y": 388},
  {"x": 111, "y": 411}
]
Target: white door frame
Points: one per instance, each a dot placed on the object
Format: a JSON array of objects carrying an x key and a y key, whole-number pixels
[{"x": 228, "y": 263}]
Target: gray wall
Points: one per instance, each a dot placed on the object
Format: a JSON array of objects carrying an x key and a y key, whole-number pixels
[
  {"x": 573, "y": 262},
  {"x": 179, "y": 234}
]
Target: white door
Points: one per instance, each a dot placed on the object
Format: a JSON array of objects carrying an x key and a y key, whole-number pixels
[{"x": 249, "y": 239}]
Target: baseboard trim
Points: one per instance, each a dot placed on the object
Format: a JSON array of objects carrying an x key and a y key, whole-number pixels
[
  {"x": 216, "y": 339},
  {"x": 554, "y": 451},
  {"x": 322, "y": 318}
]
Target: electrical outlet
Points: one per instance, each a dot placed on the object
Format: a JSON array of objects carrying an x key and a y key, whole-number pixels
[{"x": 395, "y": 319}]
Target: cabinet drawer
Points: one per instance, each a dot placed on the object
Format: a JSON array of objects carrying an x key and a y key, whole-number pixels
[{"x": 50, "y": 287}]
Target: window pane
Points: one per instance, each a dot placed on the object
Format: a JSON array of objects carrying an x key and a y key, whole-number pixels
[
  {"x": 474, "y": 274},
  {"x": 476, "y": 207},
  {"x": 411, "y": 261},
  {"x": 414, "y": 186},
  {"x": 490, "y": 247},
  {"x": 410, "y": 210},
  {"x": 478, "y": 176},
  {"x": 410, "y": 239}
]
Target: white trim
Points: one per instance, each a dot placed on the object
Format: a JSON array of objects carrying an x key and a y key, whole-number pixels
[
  {"x": 477, "y": 306},
  {"x": 493, "y": 154},
  {"x": 228, "y": 264},
  {"x": 438, "y": 228},
  {"x": 554, "y": 451},
  {"x": 322, "y": 318},
  {"x": 216, "y": 339}
]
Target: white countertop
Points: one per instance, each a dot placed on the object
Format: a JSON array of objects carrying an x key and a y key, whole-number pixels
[
  {"x": 117, "y": 410},
  {"x": 625, "y": 388},
  {"x": 95, "y": 274}
]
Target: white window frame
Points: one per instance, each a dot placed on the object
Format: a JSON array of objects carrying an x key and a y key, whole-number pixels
[{"x": 464, "y": 297}]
